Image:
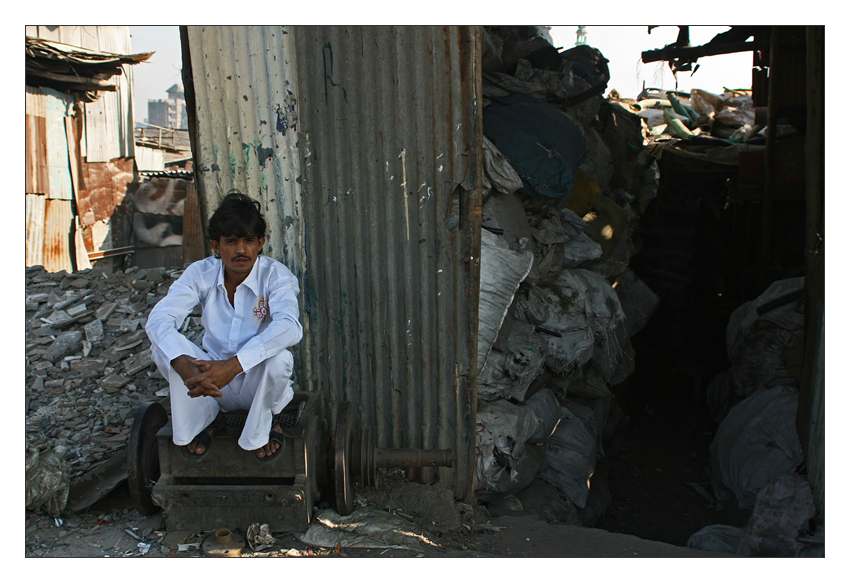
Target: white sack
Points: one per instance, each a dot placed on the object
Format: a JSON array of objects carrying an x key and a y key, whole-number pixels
[
  {"x": 502, "y": 270},
  {"x": 755, "y": 342},
  {"x": 585, "y": 311},
  {"x": 755, "y": 444},
  {"x": 502, "y": 429},
  {"x": 508, "y": 375}
]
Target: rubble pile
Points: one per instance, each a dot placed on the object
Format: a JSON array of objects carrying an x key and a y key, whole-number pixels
[
  {"x": 567, "y": 176},
  {"x": 88, "y": 359}
]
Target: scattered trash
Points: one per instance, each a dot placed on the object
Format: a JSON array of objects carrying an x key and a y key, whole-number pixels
[
  {"x": 47, "y": 476},
  {"x": 782, "y": 513},
  {"x": 143, "y": 548},
  {"x": 364, "y": 528},
  {"x": 132, "y": 534},
  {"x": 259, "y": 537}
]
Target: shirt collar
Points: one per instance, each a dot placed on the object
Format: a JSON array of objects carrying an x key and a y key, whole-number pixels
[{"x": 250, "y": 281}]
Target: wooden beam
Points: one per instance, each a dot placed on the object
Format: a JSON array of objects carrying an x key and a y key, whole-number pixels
[{"x": 669, "y": 53}]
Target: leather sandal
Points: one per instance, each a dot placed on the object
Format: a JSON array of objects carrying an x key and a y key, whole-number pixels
[
  {"x": 274, "y": 435},
  {"x": 205, "y": 439}
]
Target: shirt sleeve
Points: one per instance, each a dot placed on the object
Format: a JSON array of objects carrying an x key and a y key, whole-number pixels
[
  {"x": 283, "y": 331},
  {"x": 168, "y": 315}
]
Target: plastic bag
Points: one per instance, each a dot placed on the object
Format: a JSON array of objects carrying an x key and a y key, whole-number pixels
[
  {"x": 717, "y": 538},
  {"x": 548, "y": 410},
  {"x": 502, "y": 429},
  {"x": 571, "y": 457},
  {"x": 508, "y": 375},
  {"x": 782, "y": 512},
  {"x": 755, "y": 444},
  {"x": 545, "y": 145},
  {"x": 759, "y": 332},
  {"x": 582, "y": 325},
  {"x": 599, "y": 165},
  {"x": 47, "y": 476},
  {"x": 498, "y": 174},
  {"x": 502, "y": 270},
  {"x": 638, "y": 301}
]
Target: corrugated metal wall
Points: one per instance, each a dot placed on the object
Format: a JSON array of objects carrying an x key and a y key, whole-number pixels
[{"x": 358, "y": 140}]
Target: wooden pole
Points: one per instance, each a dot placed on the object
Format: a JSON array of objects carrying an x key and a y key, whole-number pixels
[
  {"x": 810, "y": 410},
  {"x": 765, "y": 255}
]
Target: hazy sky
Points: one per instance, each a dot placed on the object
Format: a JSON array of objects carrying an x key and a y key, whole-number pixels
[
  {"x": 621, "y": 45},
  {"x": 161, "y": 71}
]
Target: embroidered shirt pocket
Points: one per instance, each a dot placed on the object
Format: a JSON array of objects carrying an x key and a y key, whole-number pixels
[{"x": 261, "y": 310}]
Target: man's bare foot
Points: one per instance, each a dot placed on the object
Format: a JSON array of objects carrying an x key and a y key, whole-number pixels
[{"x": 270, "y": 448}]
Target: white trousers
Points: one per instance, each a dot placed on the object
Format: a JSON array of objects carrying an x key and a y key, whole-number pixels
[{"x": 263, "y": 391}]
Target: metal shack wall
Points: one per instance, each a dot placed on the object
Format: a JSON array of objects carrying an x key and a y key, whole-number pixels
[{"x": 363, "y": 144}]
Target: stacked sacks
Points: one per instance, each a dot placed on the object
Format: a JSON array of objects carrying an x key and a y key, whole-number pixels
[
  {"x": 558, "y": 303},
  {"x": 756, "y": 451}
]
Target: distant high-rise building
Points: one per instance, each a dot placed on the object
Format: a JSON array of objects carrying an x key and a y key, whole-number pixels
[{"x": 171, "y": 112}]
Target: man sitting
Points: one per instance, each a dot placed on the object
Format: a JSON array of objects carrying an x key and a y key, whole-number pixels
[{"x": 250, "y": 317}]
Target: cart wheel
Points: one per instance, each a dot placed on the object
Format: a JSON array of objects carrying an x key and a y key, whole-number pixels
[
  {"x": 143, "y": 456},
  {"x": 343, "y": 438}
]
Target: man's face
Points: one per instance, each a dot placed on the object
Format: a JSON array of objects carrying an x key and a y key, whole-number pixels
[{"x": 238, "y": 254}]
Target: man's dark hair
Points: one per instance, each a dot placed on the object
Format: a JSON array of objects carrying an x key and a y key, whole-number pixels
[{"x": 238, "y": 215}]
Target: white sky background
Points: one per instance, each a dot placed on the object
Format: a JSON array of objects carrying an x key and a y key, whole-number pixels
[{"x": 621, "y": 45}]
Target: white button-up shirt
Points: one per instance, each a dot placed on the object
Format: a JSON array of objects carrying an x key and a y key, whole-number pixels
[{"x": 262, "y": 322}]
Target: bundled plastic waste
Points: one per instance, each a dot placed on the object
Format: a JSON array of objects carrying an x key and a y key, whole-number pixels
[{"x": 558, "y": 303}]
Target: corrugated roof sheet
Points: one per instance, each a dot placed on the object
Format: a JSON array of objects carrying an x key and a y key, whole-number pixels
[{"x": 357, "y": 140}]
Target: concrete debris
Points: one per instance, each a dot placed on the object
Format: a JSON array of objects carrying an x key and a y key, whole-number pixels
[{"x": 88, "y": 363}]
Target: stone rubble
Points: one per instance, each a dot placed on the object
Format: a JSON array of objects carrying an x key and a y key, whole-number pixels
[{"x": 88, "y": 359}]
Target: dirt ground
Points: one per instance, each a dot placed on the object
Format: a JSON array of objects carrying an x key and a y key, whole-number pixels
[
  {"x": 653, "y": 511},
  {"x": 113, "y": 528}
]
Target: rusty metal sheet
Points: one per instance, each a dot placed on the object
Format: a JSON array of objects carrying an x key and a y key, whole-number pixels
[
  {"x": 36, "y": 155},
  {"x": 35, "y": 229},
  {"x": 362, "y": 144},
  {"x": 103, "y": 186},
  {"x": 58, "y": 234}
]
